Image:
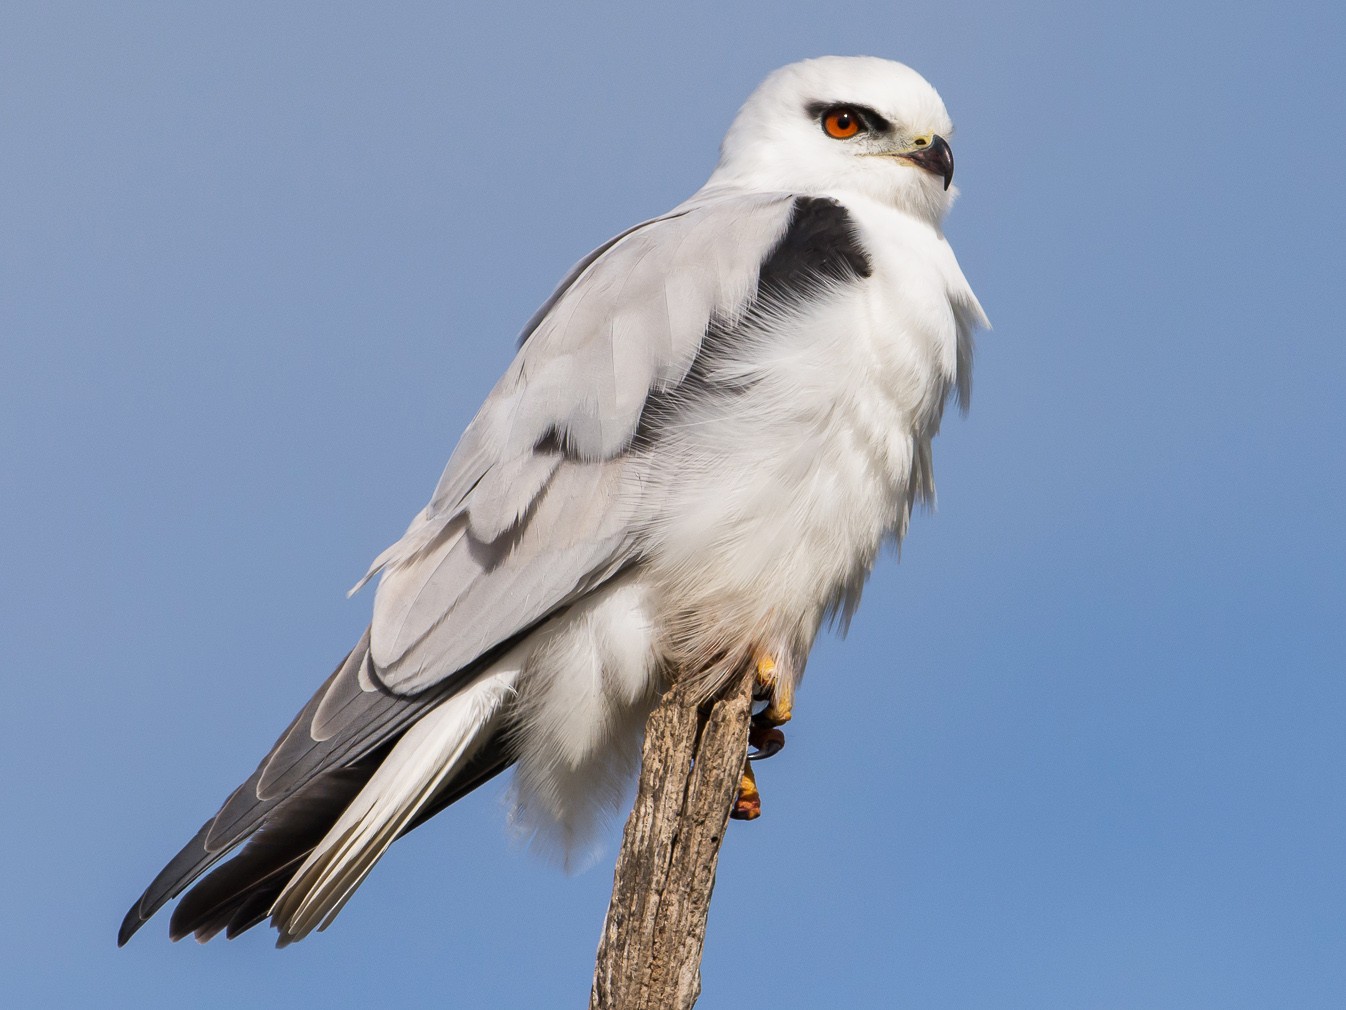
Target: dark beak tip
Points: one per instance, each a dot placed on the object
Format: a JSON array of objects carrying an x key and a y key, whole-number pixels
[
  {"x": 936, "y": 159},
  {"x": 945, "y": 153}
]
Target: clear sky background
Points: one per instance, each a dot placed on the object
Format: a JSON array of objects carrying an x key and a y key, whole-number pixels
[{"x": 1083, "y": 747}]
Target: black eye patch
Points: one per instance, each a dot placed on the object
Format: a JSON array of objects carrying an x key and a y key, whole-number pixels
[{"x": 869, "y": 119}]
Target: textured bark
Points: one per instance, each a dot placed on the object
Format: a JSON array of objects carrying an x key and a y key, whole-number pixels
[{"x": 650, "y": 955}]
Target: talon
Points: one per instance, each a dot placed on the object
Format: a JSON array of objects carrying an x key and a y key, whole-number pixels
[
  {"x": 748, "y": 803},
  {"x": 766, "y": 740}
]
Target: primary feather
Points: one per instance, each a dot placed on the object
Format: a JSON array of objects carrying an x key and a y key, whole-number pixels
[{"x": 709, "y": 430}]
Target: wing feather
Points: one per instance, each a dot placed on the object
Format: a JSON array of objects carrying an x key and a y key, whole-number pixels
[{"x": 538, "y": 498}]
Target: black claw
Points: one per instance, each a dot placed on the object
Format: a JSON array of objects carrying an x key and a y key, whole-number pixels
[{"x": 766, "y": 741}]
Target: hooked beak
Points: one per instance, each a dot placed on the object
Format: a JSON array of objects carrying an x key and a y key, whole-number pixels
[{"x": 936, "y": 157}]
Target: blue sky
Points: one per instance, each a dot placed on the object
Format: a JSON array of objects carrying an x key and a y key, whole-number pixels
[{"x": 1083, "y": 747}]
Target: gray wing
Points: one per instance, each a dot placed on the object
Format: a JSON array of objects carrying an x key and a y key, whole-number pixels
[
  {"x": 533, "y": 508},
  {"x": 530, "y": 514}
]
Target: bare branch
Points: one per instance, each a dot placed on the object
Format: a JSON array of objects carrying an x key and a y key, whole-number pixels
[{"x": 650, "y": 954}]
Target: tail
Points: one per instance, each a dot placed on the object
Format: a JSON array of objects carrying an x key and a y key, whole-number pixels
[
  {"x": 305, "y": 860},
  {"x": 427, "y": 757}
]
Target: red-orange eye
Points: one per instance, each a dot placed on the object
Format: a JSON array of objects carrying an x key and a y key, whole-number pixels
[{"x": 841, "y": 124}]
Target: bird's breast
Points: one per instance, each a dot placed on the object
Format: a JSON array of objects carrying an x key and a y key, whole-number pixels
[{"x": 774, "y": 482}]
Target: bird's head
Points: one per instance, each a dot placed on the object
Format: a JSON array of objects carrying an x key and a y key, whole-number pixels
[{"x": 854, "y": 123}]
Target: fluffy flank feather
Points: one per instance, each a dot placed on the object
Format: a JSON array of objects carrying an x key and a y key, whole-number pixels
[{"x": 583, "y": 698}]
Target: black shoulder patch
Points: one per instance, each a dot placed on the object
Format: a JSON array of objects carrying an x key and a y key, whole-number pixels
[
  {"x": 820, "y": 244},
  {"x": 820, "y": 249}
]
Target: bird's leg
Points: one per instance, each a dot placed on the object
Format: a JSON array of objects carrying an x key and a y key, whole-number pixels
[{"x": 764, "y": 736}]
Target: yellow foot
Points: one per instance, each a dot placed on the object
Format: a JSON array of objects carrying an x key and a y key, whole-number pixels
[
  {"x": 764, "y": 736},
  {"x": 748, "y": 803},
  {"x": 780, "y": 691}
]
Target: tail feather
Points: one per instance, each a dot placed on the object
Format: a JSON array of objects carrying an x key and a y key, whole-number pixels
[
  {"x": 423, "y": 763},
  {"x": 315, "y": 847},
  {"x": 253, "y": 911},
  {"x": 279, "y": 845}
]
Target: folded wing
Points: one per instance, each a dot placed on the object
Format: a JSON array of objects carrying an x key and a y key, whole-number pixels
[{"x": 535, "y": 509}]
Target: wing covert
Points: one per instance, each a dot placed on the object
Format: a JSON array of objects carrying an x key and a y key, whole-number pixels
[{"x": 535, "y": 505}]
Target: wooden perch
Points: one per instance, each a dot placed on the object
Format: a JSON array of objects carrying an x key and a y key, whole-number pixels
[{"x": 650, "y": 955}]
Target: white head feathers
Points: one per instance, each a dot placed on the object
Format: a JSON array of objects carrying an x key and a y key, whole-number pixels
[{"x": 778, "y": 139}]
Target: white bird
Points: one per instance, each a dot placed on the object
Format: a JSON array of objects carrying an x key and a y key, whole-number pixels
[{"x": 708, "y": 432}]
